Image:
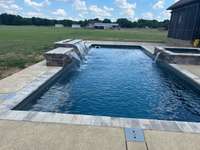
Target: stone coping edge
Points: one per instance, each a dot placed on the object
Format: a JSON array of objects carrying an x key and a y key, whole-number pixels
[{"x": 70, "y": 119}]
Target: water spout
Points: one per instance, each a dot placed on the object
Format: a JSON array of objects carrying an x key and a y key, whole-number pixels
[
  {"x": 157, "y": 57},
  {"x": 81, "y": 49}
]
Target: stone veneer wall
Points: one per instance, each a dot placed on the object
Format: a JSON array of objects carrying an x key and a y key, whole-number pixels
[{"x": 177, "y": 58}]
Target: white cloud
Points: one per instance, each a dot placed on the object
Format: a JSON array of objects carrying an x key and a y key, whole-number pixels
[
  {"x": 164, "y": 15},
  {"x": 83, "y": 9},
  {"x": 9, "y": 6},
  {"x": 159, "y": 4},
  {"x": 176, "y": 1},
  {"x": 61, "y": 0},
  {"x": 35, "y": 14},
  {"x": 100, "y": 12},
  {"x": 127, "y": 8},
  {"x": 60, "y": 12},
  {"x": 108, "y": 8},
  {"x": 148, "y": 16},
  {"x": 37, "y": 5},
  {"x": 80, "y": 5}
]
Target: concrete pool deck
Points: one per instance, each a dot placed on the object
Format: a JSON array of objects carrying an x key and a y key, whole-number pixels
[
  {"x": 42, "y": 136},
  {"x": 17, "y": 87}
]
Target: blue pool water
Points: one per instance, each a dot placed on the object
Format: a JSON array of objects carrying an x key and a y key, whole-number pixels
[{"x": 120, "y": 83}]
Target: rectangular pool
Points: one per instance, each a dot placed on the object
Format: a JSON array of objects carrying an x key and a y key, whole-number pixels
[{"x": 119, "y": 82}]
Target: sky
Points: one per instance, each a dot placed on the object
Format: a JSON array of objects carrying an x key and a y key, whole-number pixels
[{"x": 89, "y": 9}]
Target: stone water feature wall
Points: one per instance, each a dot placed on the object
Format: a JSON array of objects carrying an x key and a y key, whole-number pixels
[
  {"x": 163, "y": 55},
  {"x": 67, "y": 51}
]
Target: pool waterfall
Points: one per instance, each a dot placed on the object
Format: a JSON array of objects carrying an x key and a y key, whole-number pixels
[{"x": 157, "y": 57}]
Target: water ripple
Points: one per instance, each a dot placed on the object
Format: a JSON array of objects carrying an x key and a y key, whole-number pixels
[{"x": 121, "y": 83}]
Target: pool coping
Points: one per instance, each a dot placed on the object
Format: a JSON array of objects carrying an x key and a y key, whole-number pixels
[{"x": 6, "y": 112}]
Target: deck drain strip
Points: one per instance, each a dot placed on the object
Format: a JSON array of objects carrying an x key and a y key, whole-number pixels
[{"x": 134, "y": 134}]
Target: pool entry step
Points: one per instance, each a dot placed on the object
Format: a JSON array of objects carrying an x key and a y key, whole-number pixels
[{"x": 134, "y": 134}]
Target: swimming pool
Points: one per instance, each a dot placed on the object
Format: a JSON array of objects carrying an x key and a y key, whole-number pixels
[{"x": 120, "y": 83}]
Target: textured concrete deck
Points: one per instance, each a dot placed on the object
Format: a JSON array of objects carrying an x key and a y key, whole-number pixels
[
  {"x": 38, "y": 136},
  {"x": 195, "y": 69},
  {"x": 172, "y": 141},
  {"x": 41, "y": 136},
  {"x": 19, "y": 80}
]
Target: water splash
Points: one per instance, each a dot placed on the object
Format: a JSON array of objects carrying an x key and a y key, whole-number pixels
[
  {"x": 80, "y": 51},
  {"x": 75, "y": 57},
  {"x": 157, "y": 57}
]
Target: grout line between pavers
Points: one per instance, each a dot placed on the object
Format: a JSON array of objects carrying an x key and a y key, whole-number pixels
[{"x": 126, "y": 142}]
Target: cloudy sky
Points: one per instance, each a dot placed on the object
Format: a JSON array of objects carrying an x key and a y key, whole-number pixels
[{"x": 84, "y": 9}]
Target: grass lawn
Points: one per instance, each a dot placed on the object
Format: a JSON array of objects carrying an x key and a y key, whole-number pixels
[{"x": 24, "y": 45}]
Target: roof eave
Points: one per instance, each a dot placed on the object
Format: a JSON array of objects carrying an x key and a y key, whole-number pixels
[
  {"x": 169, "y": 8},
  {"x": 175, "y": 6}
]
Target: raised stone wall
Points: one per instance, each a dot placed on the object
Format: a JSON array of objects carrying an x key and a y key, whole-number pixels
[
  {"x": 58, "y": 57},
  {"x": 176, "y": 58},
  {"x": 68, "y": 51}
]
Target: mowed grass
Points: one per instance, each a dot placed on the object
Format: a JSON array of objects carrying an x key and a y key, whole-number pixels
[{"x": 21, "y": 46}]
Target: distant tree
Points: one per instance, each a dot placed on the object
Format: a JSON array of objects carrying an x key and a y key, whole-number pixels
[
  {"x": 67, "y": 23},
  {"x": 165, "y": 24},
  {"x": 97, "y": 20},
  {"x": 142, "y": 23},
  {"x": 7, "y": 19},
  {"x": 124, "y": 23},
  {"x": 134, "y": 24},
  {"x": 107, "y": 21},
  {"x": 83, "y": 23}
]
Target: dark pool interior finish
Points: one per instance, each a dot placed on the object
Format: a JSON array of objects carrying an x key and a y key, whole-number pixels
[
  {"x": 120, "y": 83},
  {"x": 183, "y": 50}
]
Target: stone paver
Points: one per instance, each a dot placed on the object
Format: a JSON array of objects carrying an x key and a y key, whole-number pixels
[
  {"x": 136, "y": 146},
  {"x": 39, "y": 136},
  {"x": 195, "y": 69},
  {"x": 19, "y": 80},
  {"x": 157, "y": 140}
]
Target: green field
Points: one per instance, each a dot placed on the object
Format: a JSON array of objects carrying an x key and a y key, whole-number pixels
[{"x": 24, "y": 45}]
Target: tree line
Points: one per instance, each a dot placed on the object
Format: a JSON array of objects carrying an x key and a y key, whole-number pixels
[{"x": 8, "y": 19}]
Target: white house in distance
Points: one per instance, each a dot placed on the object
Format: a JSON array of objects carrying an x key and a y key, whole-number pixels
[
  {"x": 104, "y": 26},
  {"x": 59, "y": 25},
  {"x": 76, "y": 26}
]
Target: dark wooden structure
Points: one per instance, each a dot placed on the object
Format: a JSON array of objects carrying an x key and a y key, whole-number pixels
[{"x": 185, "y": 20}]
